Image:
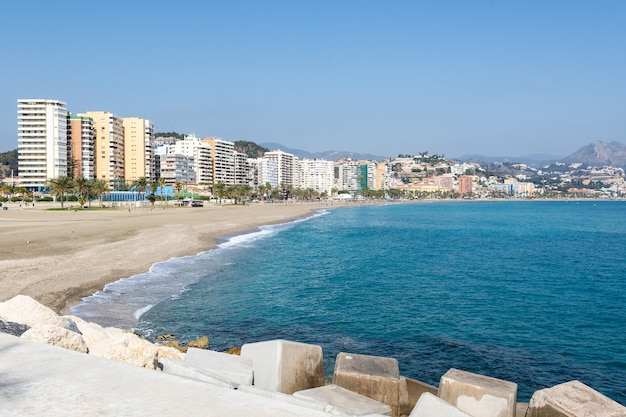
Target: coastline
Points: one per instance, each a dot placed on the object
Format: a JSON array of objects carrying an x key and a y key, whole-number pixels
[{"x": 59, "y": 257}]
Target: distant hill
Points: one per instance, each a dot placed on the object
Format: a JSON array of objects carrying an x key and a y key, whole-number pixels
[
  {"x": 8, "y": 163},
  {"x": 531, "y": 160},
  {"x": 251, "y": 149},
  {"x": 600, "y": 153},
  {"x": 328, "y": 155}
]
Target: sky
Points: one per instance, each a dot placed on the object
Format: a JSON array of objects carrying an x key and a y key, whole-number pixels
[{"x": 497, "y": 78}]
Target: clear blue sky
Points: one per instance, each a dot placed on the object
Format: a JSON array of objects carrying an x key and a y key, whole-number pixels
[{"x": 384, "y": 77}]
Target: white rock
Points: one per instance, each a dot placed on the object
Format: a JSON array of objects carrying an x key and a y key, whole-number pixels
[
  {"x": 129, "y": 348},
  {"x": 57, "y": 336},
  {"x": 25, "y": 310},
  {"x": 91, "y": 332}
]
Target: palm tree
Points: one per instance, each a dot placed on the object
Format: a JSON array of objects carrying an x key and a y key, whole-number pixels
[
  {"x": 141, "y": 184},
  {"x": 220, "y": 190},
  {"x": 99, "y": 187},
  {"x": 161, "y": 182},
  {"x": 82, "y": 186},
  {"x": 178, "y": 187},
  {"x": 60, "y": 186}
]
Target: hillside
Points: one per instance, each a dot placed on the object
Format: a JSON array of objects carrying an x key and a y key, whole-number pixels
[
  {"x": 600, "y": 153},
  {"x": 8, "y": 163}
]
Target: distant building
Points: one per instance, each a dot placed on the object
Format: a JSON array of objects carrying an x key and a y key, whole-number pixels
[
  {"x": 223, "y": 155},
  {"x": 42, "y": 141},
  {"x": 109, "y": 152},
  {"x": 81, "y": 139},
  {"x": 465, "y": 184},
  {"x": 138, "y": 152},
  {"x": 264, "y": 171},
  {"x": 200, "y": 152},
  {"x": 287, "y": 165},
  {"x": 317, "y": 174}
]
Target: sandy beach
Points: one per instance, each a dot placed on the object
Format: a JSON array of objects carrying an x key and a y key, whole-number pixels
[{"x": 58, "y": 257}]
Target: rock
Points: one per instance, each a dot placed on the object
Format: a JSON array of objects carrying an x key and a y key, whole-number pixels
[
  {"x": 15, "y": 329},
  {"x": 234, "y": 351},
  {"x": 201, "y": 343},
  {"x": 23, "y": 309},
  {"x": 91, "y": 332},
  {"x": 127, "y": 347},
  {"x": 175, "y": 344},
  {"x": 57, "y": 336},
  {"x": 163, "y": 337}
]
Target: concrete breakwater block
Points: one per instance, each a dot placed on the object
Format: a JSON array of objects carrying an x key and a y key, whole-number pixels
[
  {"x": 430, "y": 405},
  {"x": 175, "y": 367},
  {"x": 573, "y": 399},
  {"x": 372, "y": 376},
  {"x": 478, "y": 395},
  {"x": 285, "y": 366},
  {"x": 345, "y": 401},
  {"x": 415, "y": 389},
  {"x": 230, "y": 367}
]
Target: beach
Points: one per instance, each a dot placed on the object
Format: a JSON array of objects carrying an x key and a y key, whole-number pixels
[{"x": 58, "y": 257}]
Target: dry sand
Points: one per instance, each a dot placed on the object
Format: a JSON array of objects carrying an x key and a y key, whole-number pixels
[{"x": 58, "y": 257}]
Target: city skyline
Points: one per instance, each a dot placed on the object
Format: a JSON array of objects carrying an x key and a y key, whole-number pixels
[{"x": 492, "y": 78}]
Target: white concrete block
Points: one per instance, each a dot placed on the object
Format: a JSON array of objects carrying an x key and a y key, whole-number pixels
[
  {"x": 478, "y": 395},
  {"x": 573, "y": 399},
  {"x": 345, "y": 401},
  {"x": 285, "y": 366},
  {"x": 284, "y": 398},
  {"x": 431, "y": 406},
  {"x": 174, "y": 367},
  {"x": 230, "y": 367}
]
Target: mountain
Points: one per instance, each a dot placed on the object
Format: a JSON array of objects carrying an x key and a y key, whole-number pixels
[
  {"x": 600, "y": 153},
  {"x": 328, "y": 155}
]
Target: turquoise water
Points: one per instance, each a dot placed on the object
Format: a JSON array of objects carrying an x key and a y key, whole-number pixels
[{"x": 531, "y": 292}]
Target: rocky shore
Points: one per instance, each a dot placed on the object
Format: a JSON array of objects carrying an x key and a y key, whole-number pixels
[{"x": 268, "y": 378}]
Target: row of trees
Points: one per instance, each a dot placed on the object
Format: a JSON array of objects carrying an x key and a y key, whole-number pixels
[{"x": 83, "y": 188}]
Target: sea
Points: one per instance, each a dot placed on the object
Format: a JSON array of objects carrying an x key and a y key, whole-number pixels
[{"x": 532, "y": 292}]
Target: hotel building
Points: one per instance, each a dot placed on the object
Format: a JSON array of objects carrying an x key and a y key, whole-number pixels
[
  {"x": 42, "y": 141},
  {"x": 200, "y": 154}
]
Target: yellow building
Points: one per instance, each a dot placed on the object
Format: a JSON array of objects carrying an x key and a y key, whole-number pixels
[
  {"x": 138, "y": 154},
  {"x": 109, "y": 150}
]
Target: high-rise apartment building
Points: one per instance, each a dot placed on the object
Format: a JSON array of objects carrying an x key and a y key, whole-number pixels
[
  {"x": 138, "y": 152},
  {"x": 287, "y": 164},
  {"x": 243, "y": 174},
  {"x": 264, "y": 171},
  {"x": 200, "y": 153},
  {"x": 317, "y": 174},
  {"x": 109, "y": 152},
  {"x": 223, "y": 154},
  {"x": 42, "y": 141},
  {"x": 81, "y": 139}
]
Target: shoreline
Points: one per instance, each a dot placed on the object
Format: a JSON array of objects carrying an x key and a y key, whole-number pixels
[{"x": 59, "y": 257}]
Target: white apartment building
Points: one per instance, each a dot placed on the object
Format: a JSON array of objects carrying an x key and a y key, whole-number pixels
[
  {"x": 42, "y": 141},
  {"x": 223, "y": 154},
  {"x": 175, "y": 167},
  {"x": 287, "y": 166},
  {"x": 200, "y": 152},
  {"x": 317, "y": 174},
  {"x": 264, "y": 171}
]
